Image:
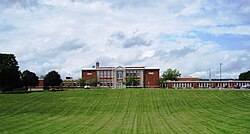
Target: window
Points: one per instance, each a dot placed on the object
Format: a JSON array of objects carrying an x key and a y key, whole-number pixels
[
  {"x": 108, "y": 83},
  {"x": 217, "y": 84},
  {"x": 108, "y": 74},
  {"x": 138, "y": 73},
  {"x": 112, "y": 73},
  {"x": 104, "y": 74},
  {"x": 89, "y": 73},
  {"x": 119, "y": 74},
  {"x": 135, "y": 73},
  {"x": 101, "y": 74},
  {"x": 151, "y": 73},
  {"x": 104, "y": 83},
  {"x": 127, "y": 73}
]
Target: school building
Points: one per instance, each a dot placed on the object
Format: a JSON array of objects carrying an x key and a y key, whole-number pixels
[{"x": 115, "y": 77}]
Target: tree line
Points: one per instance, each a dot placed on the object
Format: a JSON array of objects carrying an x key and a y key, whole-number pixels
[{"x": 12, "y": 79}]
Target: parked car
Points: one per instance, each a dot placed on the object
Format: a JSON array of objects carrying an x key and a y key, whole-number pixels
[
  {"x": 86, "y": 87},
  {"x": 246, "y": 86},
  {"x": 236, "y": 86}
]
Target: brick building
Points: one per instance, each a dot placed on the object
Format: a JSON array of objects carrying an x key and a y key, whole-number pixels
[
  {"x": 185, "y": 83},
  {"x": 116, "y": 76}
]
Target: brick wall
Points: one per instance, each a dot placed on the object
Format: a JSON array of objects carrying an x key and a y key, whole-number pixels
[
  {"x": 151, "y": 78},
  {"x": 89, "y": 74}
]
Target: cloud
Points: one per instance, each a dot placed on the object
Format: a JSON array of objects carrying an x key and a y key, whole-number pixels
[
  {"x": 121, "y": 39},
  {"x": 137, "y": 40},
  {"x": 181, "y": 47},
  {"x": 118, "y": 4},
  {"x": 19, "y": 3},
  {"x": 71, "y": 45},
  {"x": 7, "y": 27},
  {"x": 181, "y": 52},
  {"x": 232, "y": 30},
  {"x": 118, "y": 36},
  {"x": 67, "y": 35}
]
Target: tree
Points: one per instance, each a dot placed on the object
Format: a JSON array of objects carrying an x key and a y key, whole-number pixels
[
  {"x": 52, "y": 79},
  {"x": 245, "y": 76},
  {"x": 131, "y": 81},
  {"x": 161, "y": 82},
  {"x": 94, "y": 82},
  {"x": 171, "y": 74},
  {"x": 81, "y": 82},
  {"x": 9, "y": 73},
  {"x": 29, "y": 79}
]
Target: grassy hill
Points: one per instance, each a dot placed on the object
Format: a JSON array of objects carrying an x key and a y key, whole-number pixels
[{"x": 126, "y": 111}]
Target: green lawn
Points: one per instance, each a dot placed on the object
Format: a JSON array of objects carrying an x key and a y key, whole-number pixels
[{"x": 126, "y": 111}]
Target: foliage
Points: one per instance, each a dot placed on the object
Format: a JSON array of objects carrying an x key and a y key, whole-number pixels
[
  {"x": 245, "y": 76},
  {"x": 29, "y": 79},
  {"x": 52, "y": 79},
  {"x": 94, "y": 82},
  {"x": 9, "y": 73},
  {"x": 125, "y": 111},
  {"x": 68, "y": 84},
  {"x": 171, "y": 74},
  {"x": 81, "y": 82},
  {"x": 161, "y": 80},
  {"x": 131, "y": 81}
]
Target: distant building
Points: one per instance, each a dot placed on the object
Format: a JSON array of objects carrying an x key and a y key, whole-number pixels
[
  {"x": 115, "y": 77},
  {"x": 191, "y": 83}
]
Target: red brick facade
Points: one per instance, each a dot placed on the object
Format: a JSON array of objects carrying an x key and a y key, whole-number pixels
[
  {"x": 206, "y": 84},
  {"x": 89, "y": 74},
  {"x": 115, "y": 77},
  {"x": 151, "y": 78}
]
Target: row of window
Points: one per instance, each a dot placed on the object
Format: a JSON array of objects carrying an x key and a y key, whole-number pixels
[
  {"x": 106, "y": 83},
  {"x": 135, "y": 73},
  {"x": 105, "y": 74},
  {"x": 181, "y": 85},
  {"x": 109, "y": 74},
  {"x": 206, "y": 85}
]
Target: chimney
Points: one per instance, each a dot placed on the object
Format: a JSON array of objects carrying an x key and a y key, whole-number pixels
[{"x": 97, "y": 64}]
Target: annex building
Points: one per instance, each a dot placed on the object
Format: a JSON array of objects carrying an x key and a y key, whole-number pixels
[
  {"x": 115, "y": 77},
  {"x": 193, "y": 83}
]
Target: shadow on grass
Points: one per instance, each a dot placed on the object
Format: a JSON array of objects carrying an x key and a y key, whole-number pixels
[{"x": 15, "y": 92}]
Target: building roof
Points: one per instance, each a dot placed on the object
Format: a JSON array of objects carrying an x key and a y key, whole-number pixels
[
  {"x": 88, "y": 68},
  {"x": 152, "y": 68},
  {"x": 126, "y": 67}
]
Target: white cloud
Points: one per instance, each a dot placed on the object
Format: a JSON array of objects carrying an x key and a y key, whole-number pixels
[
  {"x": 66, "y": 35},
  {"x": 239, "y": 30},
  {"x": 148, "y": 53}
]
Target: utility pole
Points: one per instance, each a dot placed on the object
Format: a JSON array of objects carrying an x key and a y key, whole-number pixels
[
  {"x": 220, "y": 76},
  {"x": 210, "y": 80},
  {"x": 113, "y": 71}
]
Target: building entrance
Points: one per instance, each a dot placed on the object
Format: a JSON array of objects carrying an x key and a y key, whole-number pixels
[{"x": 119, "y": 85}]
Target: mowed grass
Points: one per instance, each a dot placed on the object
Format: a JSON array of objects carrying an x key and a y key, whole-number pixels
[{"x": 126, "y": 111}]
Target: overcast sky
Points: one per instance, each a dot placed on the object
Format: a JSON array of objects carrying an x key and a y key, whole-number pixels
[{"x": 191, "y": 36}]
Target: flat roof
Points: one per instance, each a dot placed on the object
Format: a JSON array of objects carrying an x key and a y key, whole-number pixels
[
  {"x": 206, "y": 81},
  {"x": 88, "y": 68},
  {"x": 129, "y": 67},
  {"x": 152, "y": 68}
]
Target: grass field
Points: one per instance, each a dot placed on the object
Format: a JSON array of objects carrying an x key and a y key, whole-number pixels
[{"x": 126, "y": 111}]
